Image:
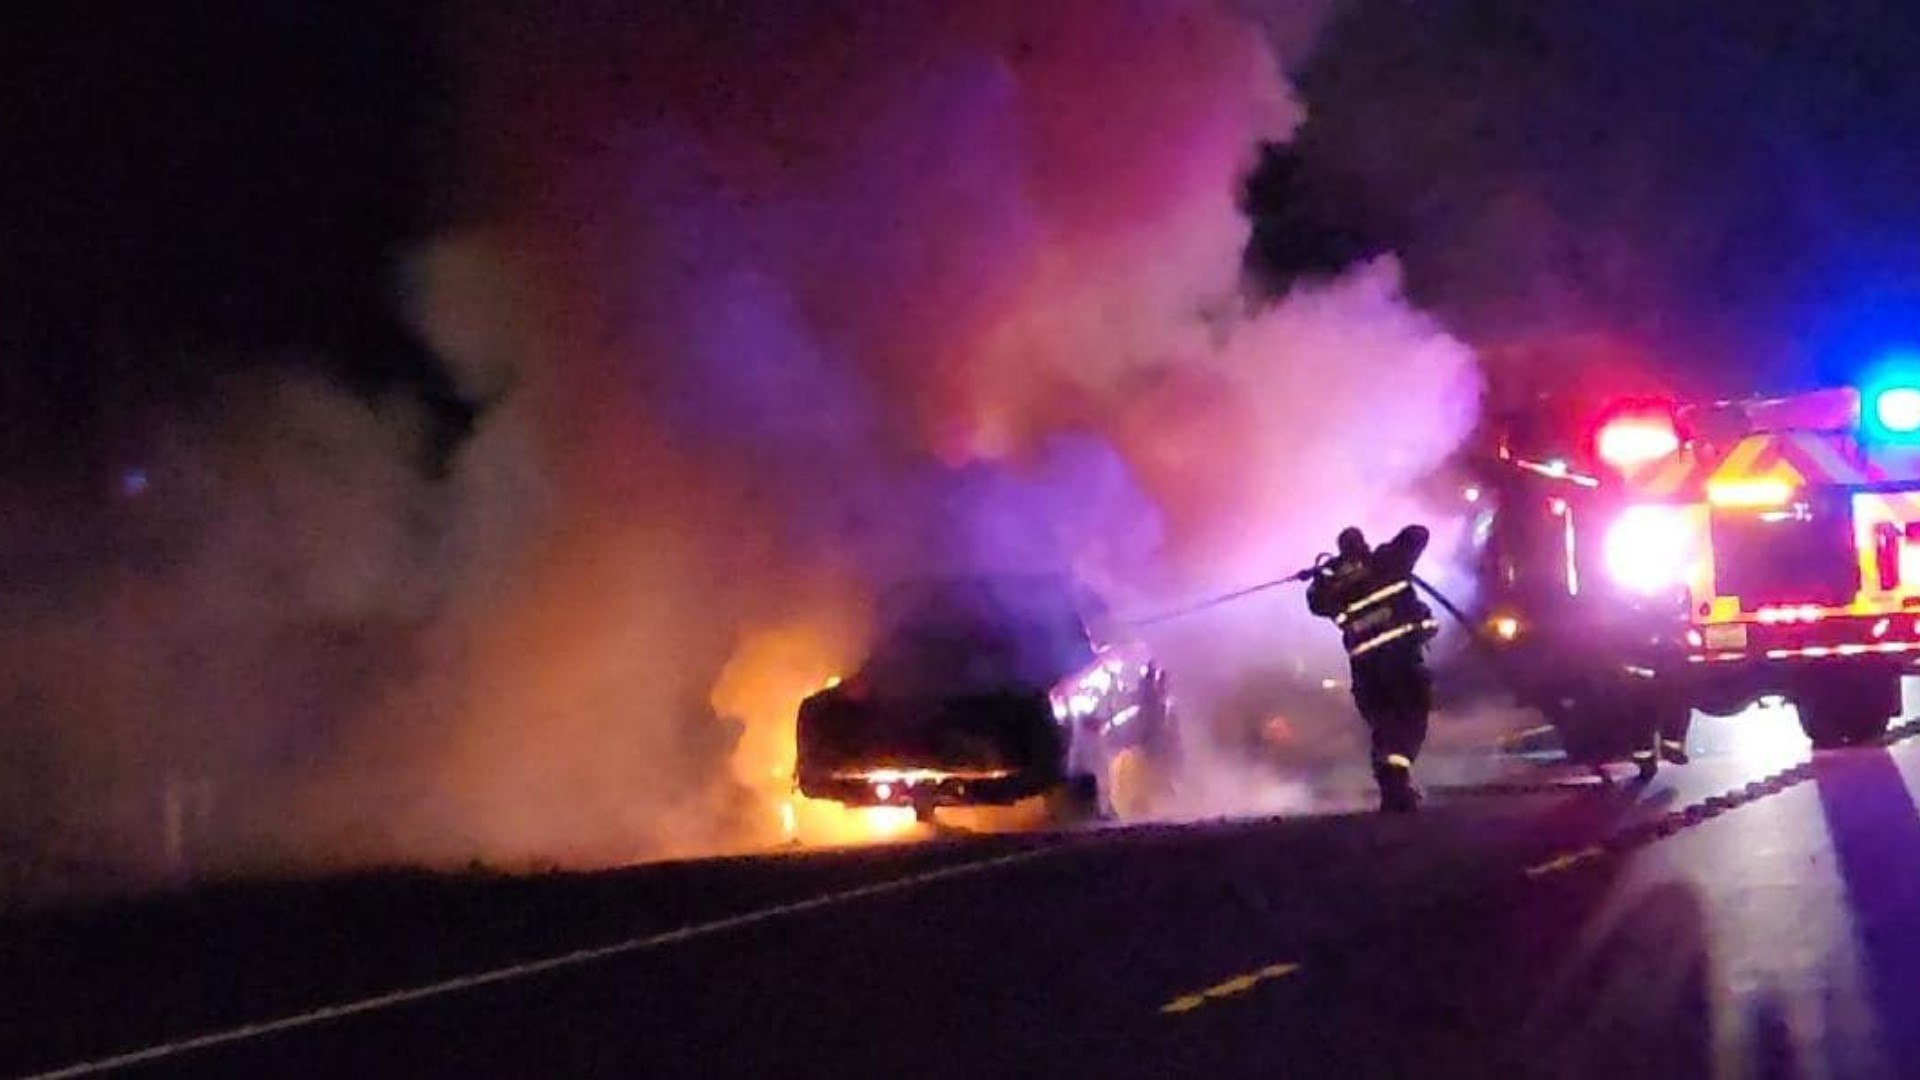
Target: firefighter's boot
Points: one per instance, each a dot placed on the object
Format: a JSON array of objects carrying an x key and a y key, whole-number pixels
[{"x": 1394, "y": 774}]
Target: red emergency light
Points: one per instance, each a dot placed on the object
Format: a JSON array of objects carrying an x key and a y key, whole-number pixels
[{"x": 1636, "y": 434}]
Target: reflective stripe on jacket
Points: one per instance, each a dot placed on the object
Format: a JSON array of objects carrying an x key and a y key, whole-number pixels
[{"x": 1372, "y": 600}]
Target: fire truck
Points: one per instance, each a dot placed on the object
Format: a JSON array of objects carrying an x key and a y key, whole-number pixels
[{"x": 1676, "y": 556}]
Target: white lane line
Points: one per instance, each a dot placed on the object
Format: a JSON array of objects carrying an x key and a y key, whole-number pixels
[{"x": 552, "y": 963}]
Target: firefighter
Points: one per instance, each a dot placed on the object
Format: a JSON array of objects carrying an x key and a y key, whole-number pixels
[{"x": 1385, "y": 627}]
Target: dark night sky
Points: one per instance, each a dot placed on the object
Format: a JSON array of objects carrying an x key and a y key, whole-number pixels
[
  {"x": 184, "y": 194},
  {"x": 1730, "y": 183}
]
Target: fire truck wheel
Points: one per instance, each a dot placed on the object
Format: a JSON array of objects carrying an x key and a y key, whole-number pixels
[
  {"x": 1599, "y": 727},
  {"x": 1846, "y": 709}
]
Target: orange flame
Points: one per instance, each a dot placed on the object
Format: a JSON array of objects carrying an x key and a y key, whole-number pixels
[{"x": 773, "y": 669}]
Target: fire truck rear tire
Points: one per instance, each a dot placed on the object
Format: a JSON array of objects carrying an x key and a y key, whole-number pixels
[{"x": 1846, "y": 709}]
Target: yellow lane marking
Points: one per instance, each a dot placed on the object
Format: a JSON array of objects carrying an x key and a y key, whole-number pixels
[
  {"x": 1565, "y": 862},
  {"x": 1239, "y": 984}
]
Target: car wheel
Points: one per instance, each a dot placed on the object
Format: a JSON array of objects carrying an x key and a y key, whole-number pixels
[{"x": 1077, "y": 801}]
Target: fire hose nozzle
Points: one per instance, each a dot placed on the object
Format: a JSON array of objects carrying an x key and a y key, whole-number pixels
[{"x": 1319, "y": 567}]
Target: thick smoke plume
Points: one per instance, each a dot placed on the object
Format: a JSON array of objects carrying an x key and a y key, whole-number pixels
[
  {"x": 1719, "y": 188},
  {"x": 182, "y": 654},
  {"x": 778, "y": 304},
  {"x": 927, "y": 287}
]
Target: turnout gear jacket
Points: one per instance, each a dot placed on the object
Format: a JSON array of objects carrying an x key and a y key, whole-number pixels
[{"x": 1370, "y": 597}]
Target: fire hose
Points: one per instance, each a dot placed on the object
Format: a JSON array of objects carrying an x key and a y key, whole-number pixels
[{"x": 1298, "y": 577}]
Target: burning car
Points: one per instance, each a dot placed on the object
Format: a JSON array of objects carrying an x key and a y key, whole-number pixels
[{"x": 987, "y": 691}]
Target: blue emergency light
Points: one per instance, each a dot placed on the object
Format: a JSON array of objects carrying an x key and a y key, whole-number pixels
[
  {"x": 1896, "y": 409},
  {"x": 1890, "y": 401}
]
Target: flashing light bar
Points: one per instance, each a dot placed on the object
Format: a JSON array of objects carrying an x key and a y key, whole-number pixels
[
  {"x": 1897, "y": 409},
  {"x": 1631, "y": 441},
  {"x": 1890, "y": 399},
  {"x": 1750, "y": 493}
]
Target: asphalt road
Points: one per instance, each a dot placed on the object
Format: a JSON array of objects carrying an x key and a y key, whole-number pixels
[{"x": 1753, "y": 914}]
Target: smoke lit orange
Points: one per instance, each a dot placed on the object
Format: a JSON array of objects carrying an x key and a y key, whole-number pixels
[{"x": 773, "y": 669}]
